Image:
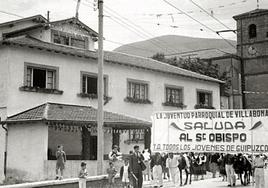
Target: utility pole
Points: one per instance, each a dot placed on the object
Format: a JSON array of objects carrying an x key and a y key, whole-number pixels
[
  {"x": 100, "y": 143},
  {"x": 48, "y": 16}
]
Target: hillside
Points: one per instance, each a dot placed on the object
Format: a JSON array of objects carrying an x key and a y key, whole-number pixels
[{"x": 170, "y": 44}]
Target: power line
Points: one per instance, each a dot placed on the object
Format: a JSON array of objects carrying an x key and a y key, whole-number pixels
[
  {"x": 143, "y": 30},
  {"x": 210, "y": 14},
  {"x": 199, "y": 22},
  {"x": 11, "y": 14},
  {"x": 126, "y": 25},
  {"x": 222, "y": 6},
  {"x": 132, "y": 29}
]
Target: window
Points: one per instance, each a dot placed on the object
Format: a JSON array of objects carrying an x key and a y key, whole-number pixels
[
  {"x": 79, "y": 43},
  {"x": 90, "y": 84},
  {"x": 68, "y": 39},
  {"x": 137, "y": 90},
  {"x": 252, "y": 31},
  {"x": 136, "y": 135},
  {"x": 204, "y": 98},
  {"x": 41, "y": 78},
  {"x": 61, "y": 39},
  {"x": 173, "y": 95}
]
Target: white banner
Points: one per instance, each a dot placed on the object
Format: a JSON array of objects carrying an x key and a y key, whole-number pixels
[{"x": 231, "y": 131}]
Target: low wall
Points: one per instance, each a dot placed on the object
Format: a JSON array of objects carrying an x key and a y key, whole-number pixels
[
  {"x": 92, "y": 182},
  {"x": 72, "y": 168}
]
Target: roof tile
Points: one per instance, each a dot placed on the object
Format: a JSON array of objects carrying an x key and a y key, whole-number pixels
[
  {"x": 73, "y": 113},
  {"x": 110, "y": 57}
]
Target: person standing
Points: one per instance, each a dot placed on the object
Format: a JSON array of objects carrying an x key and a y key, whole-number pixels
[
  {"x": 115, "y": 155},
  {"x": 214, "y": 164},
  {"x": 124, "y": 174},
  {"x": 60, "y": 164},
  {"x": 229, "y": 162},
  {"x": 83, "y": 175},
  {"x": 258, "y": 164},
  {"x": 111, "y": 171},
  {"x": 156, "y": 165},
  {"x": 222, "y": 167},
  {"x": 135, "y": 167},
  {"x": 172, "y": 165},
  {"x": 202, "y": 163},
  {"x": 164, "y": 167},
  {"x": 147, "y": 160}
]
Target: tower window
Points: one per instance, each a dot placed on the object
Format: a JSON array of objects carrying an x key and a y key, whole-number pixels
[{"x": 252, "y": 31}]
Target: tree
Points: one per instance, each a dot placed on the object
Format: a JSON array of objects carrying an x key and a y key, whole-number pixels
[{"x": 199, "y": 66}]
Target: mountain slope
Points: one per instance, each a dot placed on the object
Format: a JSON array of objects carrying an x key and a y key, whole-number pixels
[{"x": 171, "y": 44}]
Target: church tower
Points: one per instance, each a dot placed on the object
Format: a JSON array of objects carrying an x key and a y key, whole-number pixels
[{"x": 252, "y": 47}]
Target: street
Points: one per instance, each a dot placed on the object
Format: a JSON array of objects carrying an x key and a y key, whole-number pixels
[{"x": 207, "y": 183}]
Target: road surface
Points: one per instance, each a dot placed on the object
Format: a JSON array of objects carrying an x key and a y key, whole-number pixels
[{"x": 207, "y": 183}]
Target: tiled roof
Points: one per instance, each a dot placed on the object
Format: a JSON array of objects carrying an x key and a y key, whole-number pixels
[
  {"x": 251, "y": 13},
  {"x": 56, "y": 112},
  {"x": 110, "y": 57}
]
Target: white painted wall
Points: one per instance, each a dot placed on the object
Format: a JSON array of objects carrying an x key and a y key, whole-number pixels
[
  {"x": 27, "y": 151},
  {"x": 3, "y": 105},
  {"x": 69, "y": 82}
]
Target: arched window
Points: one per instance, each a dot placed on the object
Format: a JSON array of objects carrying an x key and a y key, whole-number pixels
[{"x": 252, "y": 31}]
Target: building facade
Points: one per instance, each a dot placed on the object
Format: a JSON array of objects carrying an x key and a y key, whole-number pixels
[
  {"x": 56, "y": 62},
  {"x": 252, "y": 45}
]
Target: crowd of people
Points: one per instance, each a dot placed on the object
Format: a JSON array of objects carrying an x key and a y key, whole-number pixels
[
  {"x": 170, "y": 166},
  {"x": 155, "y": 167}
]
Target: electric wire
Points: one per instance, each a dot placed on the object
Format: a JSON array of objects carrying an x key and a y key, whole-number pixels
[
  {"x": 199, "y": 22},
  {"x": 146, "y": 33},
  {"x": 210, "y": 15}
]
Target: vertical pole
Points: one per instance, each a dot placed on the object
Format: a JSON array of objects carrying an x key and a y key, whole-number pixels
[
  {"x": 100, "y": 143},
  {"x": 48, "y": 16},
  {"x": 242, "y": 68}
]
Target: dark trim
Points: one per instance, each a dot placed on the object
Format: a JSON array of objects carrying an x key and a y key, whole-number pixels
[
  {"x": 178, "y": 105},
  {"x": 256, "y": 73},
  {"x": 256, "y": 57},
  {"x": 254, "y": 42},
  {"x": 137, "y": 101},
  {"x": 115, "y": 124},
  {"x": 222, "y": 57},
  {"x": 41, "y": 90},
  {"x": 251, "y": 14}
]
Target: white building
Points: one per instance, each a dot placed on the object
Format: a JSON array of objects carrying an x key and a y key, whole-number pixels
[{"x": 55, "y": 62}]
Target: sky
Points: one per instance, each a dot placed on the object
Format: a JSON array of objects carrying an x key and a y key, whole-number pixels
[{"x": 127, "y": 21}]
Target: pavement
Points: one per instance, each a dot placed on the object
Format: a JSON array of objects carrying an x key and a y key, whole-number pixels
[{"x": 207, "y": 183}]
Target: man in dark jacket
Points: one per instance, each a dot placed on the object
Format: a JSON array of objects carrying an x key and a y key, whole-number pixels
[
  {"x": 135, "y": 167},
  {"x": 229, "y": 162}
]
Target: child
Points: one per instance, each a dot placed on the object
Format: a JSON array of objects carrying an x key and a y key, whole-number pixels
[
  {"x": 124, "y": 174},
  {"x": 111, "y": 174},
  {"x": 61, "y": 160},
  {"x": 83, "y": 175}
]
